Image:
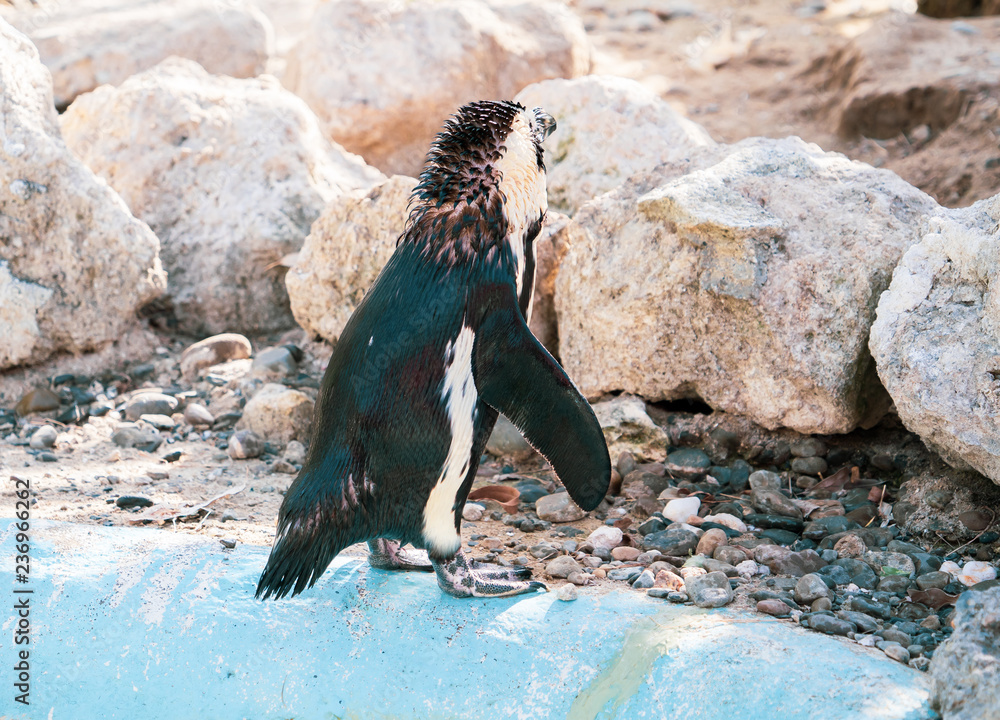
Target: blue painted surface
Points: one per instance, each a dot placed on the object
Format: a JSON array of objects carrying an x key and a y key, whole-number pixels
[{"x": 149, "y": 624}]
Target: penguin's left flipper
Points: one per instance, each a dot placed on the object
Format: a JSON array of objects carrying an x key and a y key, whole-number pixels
[
  {"x": 466, "y": 578},
  {"x": 515, "y": 375},
  {"x": 386, "y": 554}
]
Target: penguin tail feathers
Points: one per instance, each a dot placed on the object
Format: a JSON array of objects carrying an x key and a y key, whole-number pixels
[{"x": 297, "y": 559}]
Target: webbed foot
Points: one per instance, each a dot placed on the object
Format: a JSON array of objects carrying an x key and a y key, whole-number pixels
[
  {"x": 464, "y": 578},
  {"x": 388, "y": 555}
]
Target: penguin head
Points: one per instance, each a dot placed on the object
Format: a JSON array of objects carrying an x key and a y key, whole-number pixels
[{"x": 481, "y": 195}]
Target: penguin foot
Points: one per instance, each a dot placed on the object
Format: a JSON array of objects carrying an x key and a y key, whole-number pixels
[
  {"x": 388, "y": 555},
  {"x": 464, "y": 578}
]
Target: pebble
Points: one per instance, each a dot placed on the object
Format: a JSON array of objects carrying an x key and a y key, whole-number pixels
[
  {"x": 126, "y": 502},
  {"x": 559, "y": 508},
  {"x": 951, "y": 567},
  {"x": 711, "y": 541},
  {"x": 687, "y": 463},
  {"x": 777, "y": 608},
  {"x": 473, "y": 512},
  {"x": 897, "y": 653},
  {"x": 810, "y": 587},
  {"x": 681, "y": 509},
  {"x": 160, "y": 422},
  {"x": 889, "y": 563},
  {"x": 143, "y": 437},
  {"x": 644, "y": 581},
  {"x": 747, "y": 568},
  {"x": 543, "y": 550},
  {"x": 830, "y": 625},
  {"x": 625, "y": 553},
  {"x": 283, "y": 466},
  {"x": 274, "y": 363},
  {"x": 43, "y": 437},
  {"x": 728, "y": 554},
  {"x": 864, "y": 623},
  {"x": 228, "y": 542},
  {"x": 197, "y": 415},
  {"x": 976, "y": 571},
  {"x": 764, "y": 480},
  {"x": 562, "y": 566},
  {"x": 606, "y": 537},
  {"x": 730, "y": 521},
  {"x": 245, "y": 444},
  {"x": 769, "y": 501},
  {"x": 809, "y": 466},
  {"x": 567, "y": 593},
  {"x": 149, "y": 403},
  {"x": 711, "y": 590},
  {"x": 808, "y": 448},
  {"x": 675, "y": 542},
  {"x": 628, "y": 574},
  {"x": 858, "y": 572},
  {"x": 507, "y": 441},
  {"x": 850, "y": 546},
  {"x": 669, "y": 580},
  {"x": 213, "y": 351}
]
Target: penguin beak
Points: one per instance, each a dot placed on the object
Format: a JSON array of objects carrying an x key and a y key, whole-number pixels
[{"x": 546, "y": 123}]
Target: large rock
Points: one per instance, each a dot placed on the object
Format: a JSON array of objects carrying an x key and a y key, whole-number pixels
[
  {"x": 354, "y": 238},
  {"x": 907, "y": 71},
  {"x": 608, "y": 129},
  {"x": 965, "y": 669},
  {"x": 750, "y": 282},
  {"x": 75, "y": 265},
  {"x": 382, "y": 75},
  {"x": 936, "y": 340},
  {"x": 93, "y": 42},
  {"x": 229, "y": 173}
]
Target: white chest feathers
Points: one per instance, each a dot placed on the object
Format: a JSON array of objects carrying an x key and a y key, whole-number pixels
[
  {"x": 523, "y": 186},
  {"x": 460, "y": 396}
]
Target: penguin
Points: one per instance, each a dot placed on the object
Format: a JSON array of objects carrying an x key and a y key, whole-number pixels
[{"x": 437, "y": 348}]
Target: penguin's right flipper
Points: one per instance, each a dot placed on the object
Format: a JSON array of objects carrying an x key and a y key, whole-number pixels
[
  {"x": 463, "y": 578},
  {"x": 517, "y": 376}
]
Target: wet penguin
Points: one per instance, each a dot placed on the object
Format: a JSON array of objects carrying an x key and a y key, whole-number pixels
[{"x": 436, "y": 349}]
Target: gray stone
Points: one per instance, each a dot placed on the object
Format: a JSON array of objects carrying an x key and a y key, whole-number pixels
[
  {"x": 935, "y": 579},
  {"x": 567, "y": 593},
  {"x": 559, "y": 508},
  {"x": 676, "y": 542},
  {"x": 687, "y": 463},
  {"x": 860, "y": 572},
  {"x": 43, "y": 437},
  {"x": 213, "y": 350},
  {"x": 899, "y": 654},
  {"x": 75, "y": 265},
  {"x": 896, "y": 584},
  {"x": 197, "y": 415},
  {"x": 561, "y": 567},
  {"x": 809, "y": 465},
  {"x": 160, "y": 422},
  {"x": 710, "y": 590},
  {"x": 886, "y": 563},
  {"x": 245, "y": 444},
  {"x": 831, "y": 625},
  {"x": 772, "y": 501},
  {"x": 129, "y": 435},
  {"x": 935, "y": 341},
  {"x": 149, "y": 403},
  {"x": 626, "y": 424},
  {"x": 893, "y": 635},
  {"x": 274, "y": 364},
  {"x": 965, "y": 668},
  {"x": 864, "y": 623},
  {"x": 278, "y": 414},
  {"x": 808, "y": 447},
  {"x": 737, "y": 321},
  {"x": 765, "y": 480},
  {"x": 644, "y": 581},
  {"x": 628, "y": 574},
  {"x": 507, "y": 441},
  {"x": 810, "y": 587},
  {"x": 782, "y": 561},
  {"x": 230, "y": 199}
]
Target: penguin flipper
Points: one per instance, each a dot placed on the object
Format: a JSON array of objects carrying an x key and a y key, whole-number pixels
[{"x": 517, "y": 376}]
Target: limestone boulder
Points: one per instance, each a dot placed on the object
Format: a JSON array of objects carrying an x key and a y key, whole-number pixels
[
  {"x": 936, "y": 339},
  {"x": 382, "y": 76},
  {"x": 907, "y": 71},
  {"x": 750, "y": 282},
  {"x": 93, "y": 42},
  {"x": 344, "y": 253},
  {"x": 75, "y": 265},
  {"x": 229, "y": 173},
  {"x": 608, "y": 129},
  {"x": 354, "y": 238}
]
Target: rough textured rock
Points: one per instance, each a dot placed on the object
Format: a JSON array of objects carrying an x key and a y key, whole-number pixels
[
  {"x": 75, "y": 265},
  {"x": 907, "y": 71},
  {"x": 751, "y": 282},
  {"x": 96, "y": 42},
  {"x": 382, "y": 76},
  {"x": 957, "y": 8},
  {"x": 278, "y": 414},
  {"x": 356, "y": 235},
  {"x": 627, "y": 426},
  {"x": 608, "y": 129},
  {"x": 558, "y": 508},
  {"x": 344, "y": 253},
  {"x": 936, "y": 339},
  {"x": 966, "y": 667},
  {"x": 229, "y": 173}
]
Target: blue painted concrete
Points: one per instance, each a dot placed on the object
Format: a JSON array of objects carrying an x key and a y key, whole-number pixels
[{"x": 147, "y": 624}]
